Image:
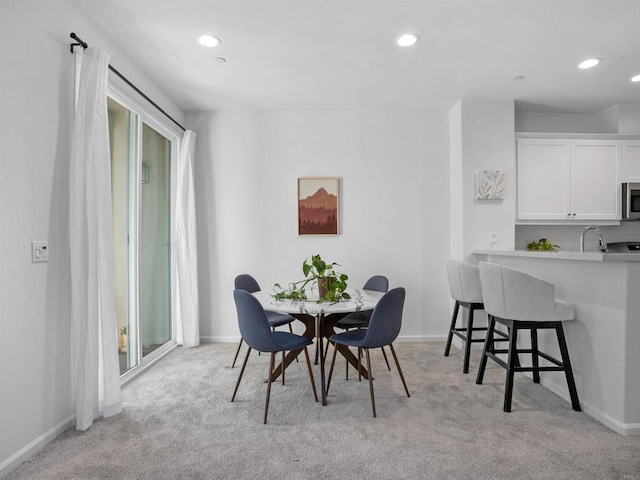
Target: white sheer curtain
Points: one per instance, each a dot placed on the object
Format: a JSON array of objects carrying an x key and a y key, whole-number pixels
[
  {"x": 188, "y": 329},
  {"x": 96, "y": 374}
]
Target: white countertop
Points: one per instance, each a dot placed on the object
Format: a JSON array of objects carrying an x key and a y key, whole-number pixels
[{"x": 565, "y": 255}]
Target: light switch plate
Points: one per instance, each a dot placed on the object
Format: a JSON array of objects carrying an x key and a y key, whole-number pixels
[{"x": 39, "y": 251}]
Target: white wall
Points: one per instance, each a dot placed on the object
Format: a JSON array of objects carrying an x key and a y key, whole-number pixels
[
  {"x": 560, "y": 122},
  {"x": 482, "y": 137},
  {"x": 623, "y": 119},
  {"x": 393, "y": 170},
  {"x": 629, "y": 119},
  {"x": 36, "y": 90}
]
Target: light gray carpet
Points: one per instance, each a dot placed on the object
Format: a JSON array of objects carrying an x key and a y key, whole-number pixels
[{"x": 178, "y": 423}]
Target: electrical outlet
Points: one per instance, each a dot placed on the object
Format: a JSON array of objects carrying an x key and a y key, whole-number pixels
[
  {"x": 493, "y": 238},
  {"x": 39, "y": 251}
]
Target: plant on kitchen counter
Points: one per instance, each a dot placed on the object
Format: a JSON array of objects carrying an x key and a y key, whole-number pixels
[
  {"x": 331, "y": 284},
  {"x": 543, "y": 245}
]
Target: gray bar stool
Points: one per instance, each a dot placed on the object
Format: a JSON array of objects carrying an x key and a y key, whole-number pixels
[
  {"x": 523, "y": 302},
  {"x": 466, "y": 290}
]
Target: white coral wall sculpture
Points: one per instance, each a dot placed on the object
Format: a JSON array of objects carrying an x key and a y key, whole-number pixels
[{"x": 490, "y": 185}]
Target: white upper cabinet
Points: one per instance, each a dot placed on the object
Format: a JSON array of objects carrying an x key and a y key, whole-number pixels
[
  {"x": 595, "y": 179},
  {"x": 568, "y": 180},
  {"x": 631, "y": 161},
  {"x": 543, "y": 179}
]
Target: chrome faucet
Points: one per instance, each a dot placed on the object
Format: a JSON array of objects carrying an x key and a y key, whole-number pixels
[{"x": 602, "y": 244}]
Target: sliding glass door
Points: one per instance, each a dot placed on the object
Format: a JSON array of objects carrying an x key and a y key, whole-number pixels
[
  {"x": 141, "y": 167},
  {"x": 154, "y": 241}
]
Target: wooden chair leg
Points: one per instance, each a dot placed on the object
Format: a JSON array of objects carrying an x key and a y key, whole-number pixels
[
  {"x": 454, "y": 317},
  {"x": 272, "y": 361},
  {"x": 384, "y": 354},
  {"x": 511, "y": 363},
  {"x": 564, "y": 352},
  {"x": 360, "y": 365},
  {"x": 237, "y": 352},
  {"x": 313, "y": 382},
  {"x": 467, "y": 344},
  {"x": 395, "y": 357},
  {"x": 373, "y": 400},
  {"x": 244, "y": 364},
  {"x": 488, "y": 347},
  {"x": 282, "y": 367},
  {"x": 346, "y": 369},
  {"x": 534, "y": 355},
  {"x": 333, "y": 361}
]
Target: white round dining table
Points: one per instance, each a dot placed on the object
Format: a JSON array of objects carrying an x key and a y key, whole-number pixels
[{"x": 303, "y": 310}]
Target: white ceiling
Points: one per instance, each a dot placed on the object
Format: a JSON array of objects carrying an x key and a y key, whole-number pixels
[{"x": 307, "y": 54}]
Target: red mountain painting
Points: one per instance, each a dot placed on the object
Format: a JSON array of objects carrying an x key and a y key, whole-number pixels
[{"x": 318, "y": 213}]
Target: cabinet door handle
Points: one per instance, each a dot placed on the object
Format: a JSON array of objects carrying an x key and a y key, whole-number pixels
[
  {"x": 568, "y": 214},
  {"x": 573, "y": 214}
]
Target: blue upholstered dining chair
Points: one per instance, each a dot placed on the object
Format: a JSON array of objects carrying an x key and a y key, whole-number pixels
[
  {"x": 384, "y": 327},
  {"x": 257, "y": 334},
  {"x": 249, "y": 284},
  {"x": 377, "y": 283}
]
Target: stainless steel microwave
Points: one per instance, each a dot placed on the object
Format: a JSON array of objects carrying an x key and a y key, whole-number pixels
[{"x": 631, "y": 201}]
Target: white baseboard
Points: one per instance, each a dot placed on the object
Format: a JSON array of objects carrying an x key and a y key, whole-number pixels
[
  {"x": 14, "y": 461},
  {"x": 219, "y": 339},
  {"x": 609, "y": 421},
  {"x": 604, "y": 418},
  {"x": 402, "y": 338},
  {"x": 421, "y": 338}
]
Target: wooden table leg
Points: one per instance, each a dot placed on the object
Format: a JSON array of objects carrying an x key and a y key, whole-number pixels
[
  {"x": 353, "y": 360},
  {"x": 323, "y": 381},
  {"x": 327, "y": 330}
]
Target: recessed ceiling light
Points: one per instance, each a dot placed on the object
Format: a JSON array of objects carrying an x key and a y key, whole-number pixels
[
  {"x": 635, "y": 78},
  {"x": 591, "y": 62},
  {"x": 407, "y": 40},
  {"x": 209, "y": 41}
]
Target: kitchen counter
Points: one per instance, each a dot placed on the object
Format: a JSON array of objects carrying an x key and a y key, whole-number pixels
[
  {"x": 565, "y": 255},
  {"x": 604, "y": 338}
]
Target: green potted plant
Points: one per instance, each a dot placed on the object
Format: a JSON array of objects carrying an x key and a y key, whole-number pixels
[
  {"x": 331, "y": 284},
  {"x": 542, "y": 245}
]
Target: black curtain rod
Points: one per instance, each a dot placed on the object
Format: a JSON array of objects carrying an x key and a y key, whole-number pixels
[{"x": 83, "y": 44}]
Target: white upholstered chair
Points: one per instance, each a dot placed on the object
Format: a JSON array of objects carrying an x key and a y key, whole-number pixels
[
  {"x": 466, "y": 290},
  {"x": 523, "y": 302}
]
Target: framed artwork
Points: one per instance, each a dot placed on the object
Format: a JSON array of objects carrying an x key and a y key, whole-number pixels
[
  {"x": 489, "y": 185},
  {"x": 318, "y": 206}
]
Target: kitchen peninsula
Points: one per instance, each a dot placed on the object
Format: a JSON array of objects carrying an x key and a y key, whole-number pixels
[{"x": 604, "y": 338}]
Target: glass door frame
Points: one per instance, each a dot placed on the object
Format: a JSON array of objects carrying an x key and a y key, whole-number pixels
[{"x": 147, "y": 114}]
